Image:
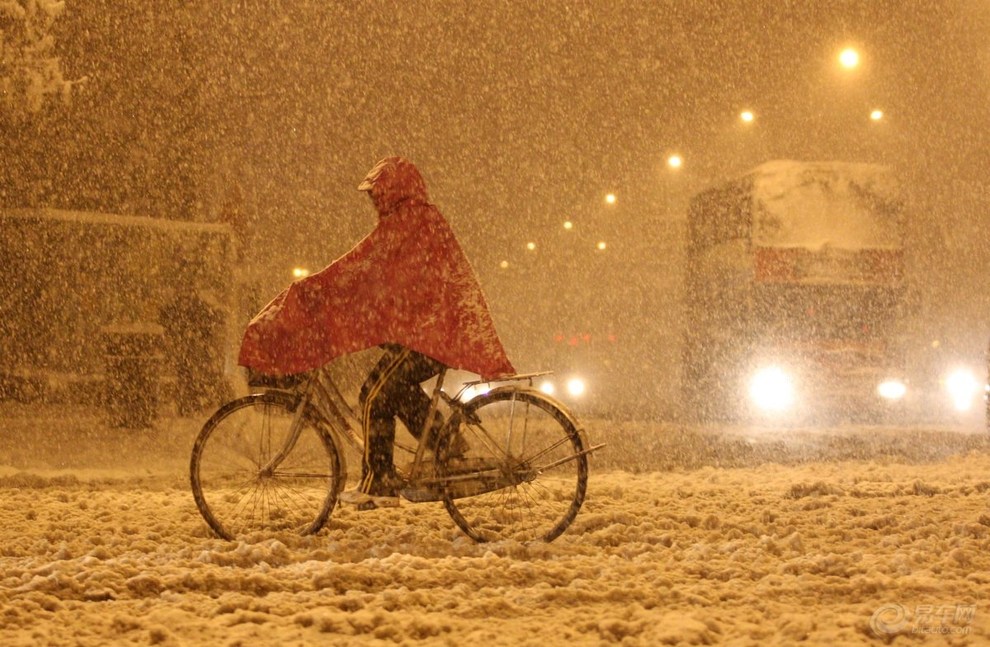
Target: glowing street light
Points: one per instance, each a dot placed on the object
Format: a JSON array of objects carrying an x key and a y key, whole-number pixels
[
  {"x": 747, "y": 116},
  {"x": 504, "y": 265},
  {"x": 300, "y": 272},
  {"x": 531, "y": 246},
  {"x": 849, "y": 58},
  {"x": 568, "y": 225},
  {"x": 675, "y": 161},
  {"x": 610, "y": 198},
  {"x": 876, "y": 115},
  {"x": 601, "y": 245}
]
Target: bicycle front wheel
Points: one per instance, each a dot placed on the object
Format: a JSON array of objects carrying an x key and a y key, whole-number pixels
[
  {"x": 515, "y": 468},
  {"x": 241, "y": 491}
]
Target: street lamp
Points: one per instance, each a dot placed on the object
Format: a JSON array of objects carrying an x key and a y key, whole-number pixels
[
  {"x": 747, "y": 116},
  {"x": 610, "y": 198},
  {"x": 675, "y": 161},
  {"x": 876, "y": 115},
  {"x": 849, "y": 58}
]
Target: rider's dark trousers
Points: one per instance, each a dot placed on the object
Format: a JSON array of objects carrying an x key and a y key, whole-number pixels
[{"x": 392, "y": 391}]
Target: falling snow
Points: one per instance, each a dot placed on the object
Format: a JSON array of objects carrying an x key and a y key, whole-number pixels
[{"x": 212, "y": 149}]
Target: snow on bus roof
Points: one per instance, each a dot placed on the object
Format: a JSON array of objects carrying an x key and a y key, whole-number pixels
[{"x": 811, "y": 205}]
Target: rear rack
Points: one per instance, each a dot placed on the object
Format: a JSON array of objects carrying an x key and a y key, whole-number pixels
[{"x": 518, "y": 377}]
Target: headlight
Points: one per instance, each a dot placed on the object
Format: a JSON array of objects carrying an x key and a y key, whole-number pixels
[
  {"x": 547, "y": 387},
  {"x": 772, "y": 389},
  {"x": 962, "y": 386},
  {"x": 891, "y": 389},
  {"x": 575, "y": 386}
]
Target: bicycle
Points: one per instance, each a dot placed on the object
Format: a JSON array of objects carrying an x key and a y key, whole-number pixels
[{"x": 272, "y": 461}]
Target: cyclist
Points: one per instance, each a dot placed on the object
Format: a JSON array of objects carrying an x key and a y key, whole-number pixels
[{"x": 407, "y": 286}]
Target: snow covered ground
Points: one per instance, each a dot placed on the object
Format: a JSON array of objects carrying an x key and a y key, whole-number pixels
[{"x": 843, "y": 536}]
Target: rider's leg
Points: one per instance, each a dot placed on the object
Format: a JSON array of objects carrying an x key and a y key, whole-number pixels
[
  {"x": 413, "y": 404},
  {"x": 398, "y": 391},
  {"x": 378, "y": 420},
  {"x": 393, "y": 389},
  {"x": 377, "y": 472}
]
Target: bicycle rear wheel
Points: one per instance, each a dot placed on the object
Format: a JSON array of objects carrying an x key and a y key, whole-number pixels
[
  {"x": 519, "y": 471},
  {"x": 239, "y": 492}
]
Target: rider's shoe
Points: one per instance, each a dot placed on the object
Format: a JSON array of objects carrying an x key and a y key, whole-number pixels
[
  {"x": 354, "y": 496},
  {"x": 382, "y": 493},
  {"x": 379, "y": 502},
  {"x": 365, "y": 501}
]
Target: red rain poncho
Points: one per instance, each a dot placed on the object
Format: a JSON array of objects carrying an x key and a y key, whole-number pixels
[{"x": 407, "y": 282}]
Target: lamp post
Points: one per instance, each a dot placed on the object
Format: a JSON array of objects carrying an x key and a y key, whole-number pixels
[{"x": 673, "y": 166}]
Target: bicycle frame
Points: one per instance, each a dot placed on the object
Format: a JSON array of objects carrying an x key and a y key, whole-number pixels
[{"x": 320, "y": 393}]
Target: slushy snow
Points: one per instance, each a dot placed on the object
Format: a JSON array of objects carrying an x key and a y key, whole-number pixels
[{"x": 704, "y": 539}]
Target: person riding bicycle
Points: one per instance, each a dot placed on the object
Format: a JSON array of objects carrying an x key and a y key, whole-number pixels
[{"x": 407, "y": 287}]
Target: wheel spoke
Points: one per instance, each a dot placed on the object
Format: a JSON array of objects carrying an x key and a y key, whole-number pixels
[
  {"x": 233, "y": 482},
  {"x": 518, "y": 428}
]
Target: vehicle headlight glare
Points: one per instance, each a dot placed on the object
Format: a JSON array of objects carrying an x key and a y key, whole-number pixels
[
  {"x": 575, "y": 386},
  {"x": 772, "y": 389},
  {"x": 962, "y": 386},
  {"x": 474, "y": 391},
  {"x": 892, "y": 389}
]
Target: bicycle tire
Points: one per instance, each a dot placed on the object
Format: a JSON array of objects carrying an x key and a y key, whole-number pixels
[
  {"x": 537, "y": 468},
  {"x": 236, "y": 498}
]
